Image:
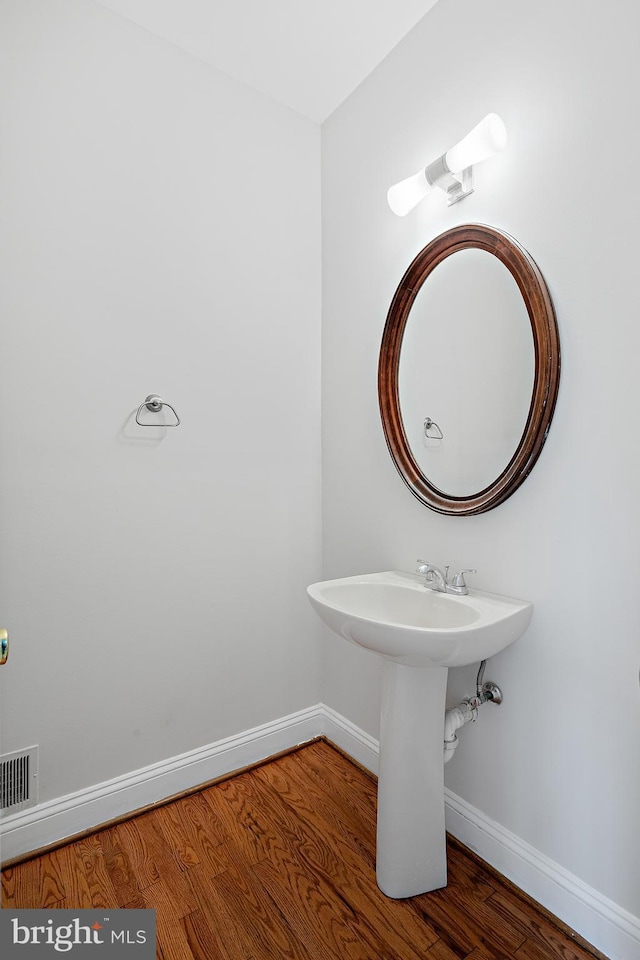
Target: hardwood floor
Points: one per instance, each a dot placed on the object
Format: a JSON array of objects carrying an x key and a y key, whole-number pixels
[{"x": 278, "y": 862}]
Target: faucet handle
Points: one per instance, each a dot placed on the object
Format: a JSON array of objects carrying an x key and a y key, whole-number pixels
[{"x": 458, "y": 580}]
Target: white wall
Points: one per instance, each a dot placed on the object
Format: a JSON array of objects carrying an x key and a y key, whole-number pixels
[
  {"x": 162, "y": 234},
  {"x": 161, "y": 228},
  {"x": 557, "y": 763}
]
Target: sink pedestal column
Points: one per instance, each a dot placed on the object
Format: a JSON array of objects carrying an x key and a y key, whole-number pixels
[{"x": 411, "y": 852}]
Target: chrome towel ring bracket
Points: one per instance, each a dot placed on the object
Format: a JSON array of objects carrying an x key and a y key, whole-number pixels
[{"x": 155, "y": 404}]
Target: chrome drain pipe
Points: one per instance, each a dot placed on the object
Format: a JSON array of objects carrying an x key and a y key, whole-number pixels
[{"x": 467, "y": 711}]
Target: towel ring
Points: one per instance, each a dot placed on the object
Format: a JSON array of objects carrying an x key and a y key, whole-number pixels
[
  {"x": 430, "y": 424},
  {"x": 155, "y": 404}
]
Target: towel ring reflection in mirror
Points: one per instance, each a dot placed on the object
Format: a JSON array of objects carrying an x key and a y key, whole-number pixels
[{"x": 430, "y": 424}]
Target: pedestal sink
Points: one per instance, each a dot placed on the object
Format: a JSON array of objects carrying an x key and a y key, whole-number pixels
[{"x": 420, "y": 633}]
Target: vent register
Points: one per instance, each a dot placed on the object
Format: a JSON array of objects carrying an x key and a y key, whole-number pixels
[{"x": 18, "y": 780}]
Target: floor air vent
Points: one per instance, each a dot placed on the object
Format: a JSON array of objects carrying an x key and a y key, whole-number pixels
[{"x": 19, "y": 780}]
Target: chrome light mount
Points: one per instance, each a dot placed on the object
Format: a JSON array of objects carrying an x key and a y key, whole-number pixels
[{"x": 438, "y": 174}]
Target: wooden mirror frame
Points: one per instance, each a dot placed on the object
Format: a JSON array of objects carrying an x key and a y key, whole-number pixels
[{"x": 546, "y": 368}]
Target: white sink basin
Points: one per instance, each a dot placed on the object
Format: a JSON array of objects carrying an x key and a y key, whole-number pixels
[{"x": 397, "y": 616}]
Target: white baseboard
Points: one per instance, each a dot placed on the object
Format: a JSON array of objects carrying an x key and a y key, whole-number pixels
[
  {"x": 601, "y": 922},
  {"x": 46, "y": 823},
  {"x": 354, "y": 741}
]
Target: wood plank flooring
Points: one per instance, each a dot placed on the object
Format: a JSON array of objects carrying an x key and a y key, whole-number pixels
[{"x": 278, "y": 862}]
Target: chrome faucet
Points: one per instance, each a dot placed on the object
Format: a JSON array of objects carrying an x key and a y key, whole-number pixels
[
  {"x": 439, "y": 581},
  {"x": 434, "y": 577}
]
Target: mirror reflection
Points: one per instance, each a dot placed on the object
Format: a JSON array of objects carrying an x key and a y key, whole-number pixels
[{"x": 467, "y": 365}]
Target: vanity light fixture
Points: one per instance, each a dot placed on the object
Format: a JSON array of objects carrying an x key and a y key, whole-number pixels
[{"x": 452, "y": 172}]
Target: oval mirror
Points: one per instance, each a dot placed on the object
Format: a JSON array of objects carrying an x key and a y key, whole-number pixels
[{"x": 469, "y": 370}]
